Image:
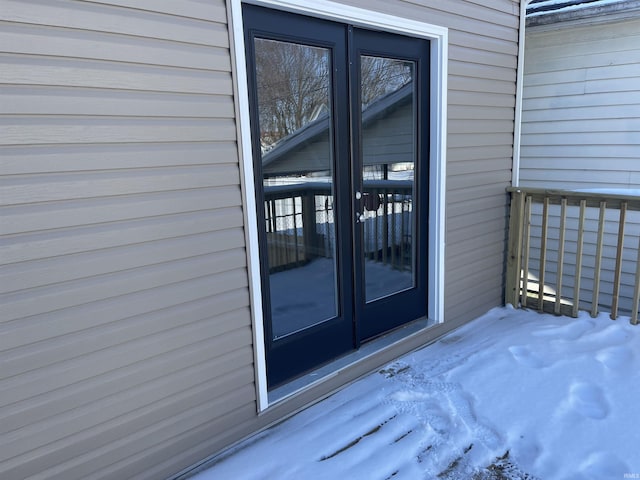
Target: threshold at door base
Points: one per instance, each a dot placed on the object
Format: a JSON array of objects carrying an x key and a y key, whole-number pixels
[{"x": 333, "y": 368}]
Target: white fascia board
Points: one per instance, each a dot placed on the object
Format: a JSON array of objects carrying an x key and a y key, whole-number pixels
[
  {"x": 438, "y": 136},
  {"x": 517, "y": 130}
]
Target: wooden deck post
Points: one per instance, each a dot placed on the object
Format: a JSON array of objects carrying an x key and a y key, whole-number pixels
[
  {"x": 618, "y": 270},
  {"x": 579, "y": 248},
  {"x": 514, "y": 249},
  {"x": 526, "y": 248},
  {"x": 311, "y": 245},
  {"x": 543, "y": 252},
  {"x": 560, "y": 268},
  {"x": 598, "y": 262}
]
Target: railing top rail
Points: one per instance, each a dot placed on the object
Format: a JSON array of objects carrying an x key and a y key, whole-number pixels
[
  {"x": 324, "y": 188},
  {"x": 574, "y": 197},
  {"x": 389, "y": 184}
]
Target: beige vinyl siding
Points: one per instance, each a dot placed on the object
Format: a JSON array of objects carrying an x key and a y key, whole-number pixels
[
  {"x": 482, "y": 71},
  {"x": 125, "y": 333},
  {"x": 581, "y": 130}
]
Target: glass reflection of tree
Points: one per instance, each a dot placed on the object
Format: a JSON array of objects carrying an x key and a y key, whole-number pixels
[
  {"x": 292, "y": 87},
  {"x": 382, "y": 76},
  {"x": 293, "y": 84}
]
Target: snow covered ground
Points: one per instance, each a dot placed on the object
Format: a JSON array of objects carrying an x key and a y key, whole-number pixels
[{"x": 512, "y": 395}]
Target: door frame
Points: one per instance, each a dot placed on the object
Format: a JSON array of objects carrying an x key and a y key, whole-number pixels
[{"x": 437, "y": 162}]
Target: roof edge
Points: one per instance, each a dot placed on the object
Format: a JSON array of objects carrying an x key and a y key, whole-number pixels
[{"x": 590, "y": 14}]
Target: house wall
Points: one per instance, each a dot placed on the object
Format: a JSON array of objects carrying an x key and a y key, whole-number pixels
[
  {"x": 581, "y": 130},
  {"x": 581, "y": 108},
  {"x": 125, "y": 326},
  {"x": 387, "y": 138}
]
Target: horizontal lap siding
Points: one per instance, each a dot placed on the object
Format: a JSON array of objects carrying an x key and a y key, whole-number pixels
[
  {"x": 125, "y": 333},
  {"x": 581, "y": 111},
  {"x": 482, "y": 69}
]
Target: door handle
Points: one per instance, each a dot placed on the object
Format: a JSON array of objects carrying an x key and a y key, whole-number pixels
[{"x": 359, "y": 214}]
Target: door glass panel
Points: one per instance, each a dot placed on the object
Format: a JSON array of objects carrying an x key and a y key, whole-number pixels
[
  {"x": 293, "y": 88},
  {"x": 388, "y": 165}
]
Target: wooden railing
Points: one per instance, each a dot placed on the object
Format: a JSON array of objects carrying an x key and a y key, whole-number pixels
[
  {"x": 387, "y": 222},
  {"x": 570, "y": 251},
  {"x": 298, "y": 222},
  {"x": 300, "y": 225}
]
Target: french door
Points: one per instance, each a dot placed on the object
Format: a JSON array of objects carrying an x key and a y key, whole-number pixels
[{"x": 339, "y": 119}]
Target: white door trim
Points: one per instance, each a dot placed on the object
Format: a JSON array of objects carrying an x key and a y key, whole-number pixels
[{"x": 438, "y": 138}]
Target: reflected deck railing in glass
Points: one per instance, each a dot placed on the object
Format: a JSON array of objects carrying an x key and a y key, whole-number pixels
[{"x": 300, "y": 223}]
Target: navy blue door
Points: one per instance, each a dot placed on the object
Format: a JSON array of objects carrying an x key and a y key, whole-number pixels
[
  {"x": 340, "y": 178},
  {"x": 389, "y": 110}
]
